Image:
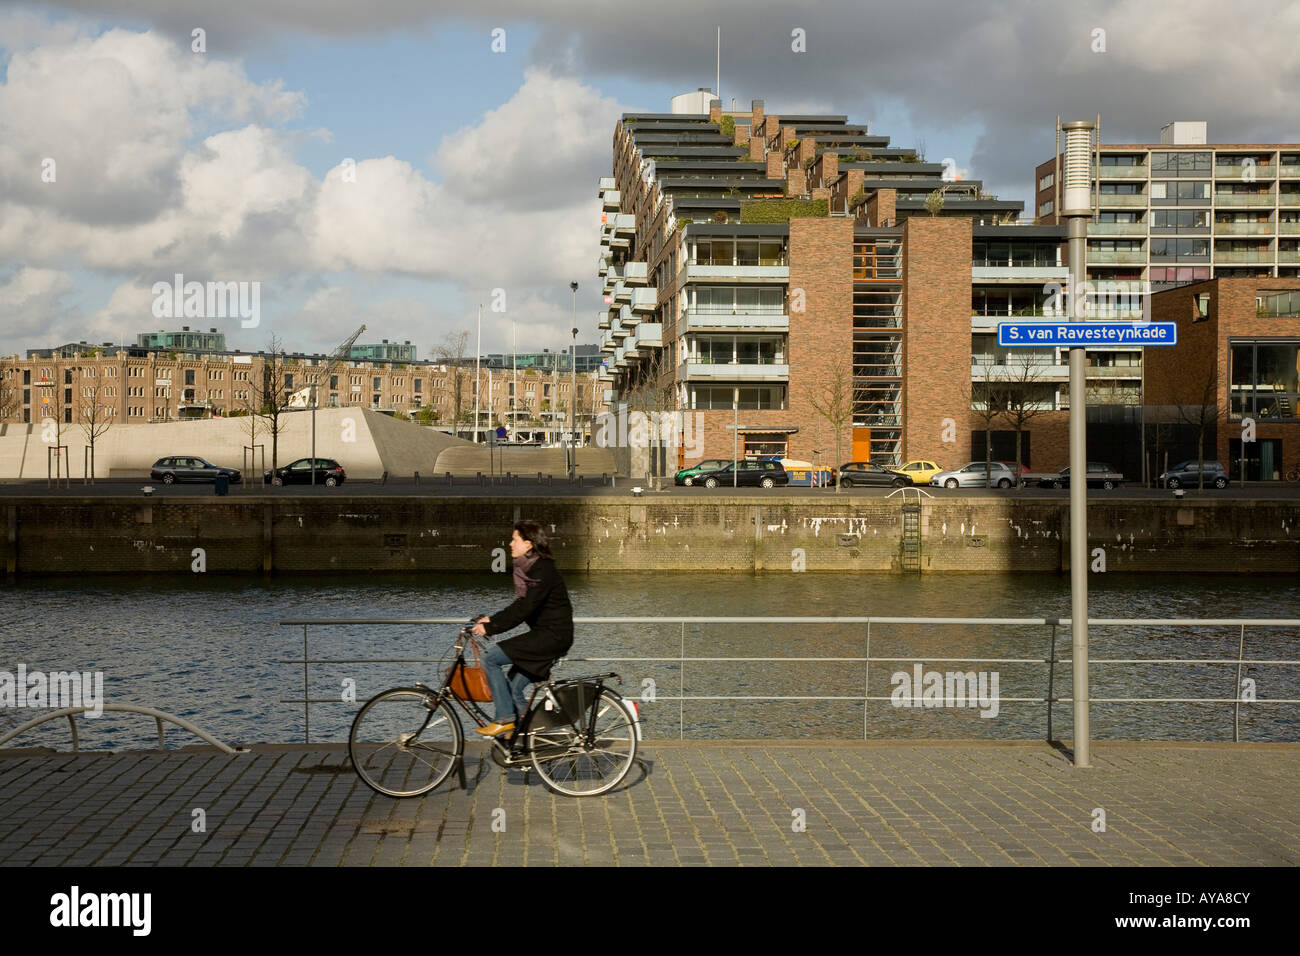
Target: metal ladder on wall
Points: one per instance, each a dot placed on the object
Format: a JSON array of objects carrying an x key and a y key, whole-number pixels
[{"x": 911, "y": 545}]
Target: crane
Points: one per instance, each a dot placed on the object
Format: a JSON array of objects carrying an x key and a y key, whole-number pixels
[{"x": 339, "y": 356}]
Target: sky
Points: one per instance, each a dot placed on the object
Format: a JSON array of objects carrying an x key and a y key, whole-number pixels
[{"x": 398, "y": 164}]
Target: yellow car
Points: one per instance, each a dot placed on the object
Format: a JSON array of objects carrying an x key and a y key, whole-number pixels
[{"x": 920, "y": 471}]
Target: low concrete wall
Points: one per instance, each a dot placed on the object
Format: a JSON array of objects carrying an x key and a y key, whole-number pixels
[{"x": 742, "y": 533}]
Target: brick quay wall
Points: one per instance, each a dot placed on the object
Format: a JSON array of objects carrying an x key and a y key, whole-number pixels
[{"x": 740, "y": 533}]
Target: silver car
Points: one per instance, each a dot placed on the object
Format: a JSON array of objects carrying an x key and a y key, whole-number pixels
[{"x": 974, "y": 476}]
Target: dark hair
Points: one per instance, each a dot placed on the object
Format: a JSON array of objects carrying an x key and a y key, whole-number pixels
[{"x": 533, "y": 533}]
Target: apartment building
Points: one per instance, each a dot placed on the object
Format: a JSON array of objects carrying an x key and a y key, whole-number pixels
[
  {"x": 1234, "y": 376},
  {"x": 79, "y": 382},
  {"x": 800, "y": 281},
  {"x": 1184, "y": 210}
]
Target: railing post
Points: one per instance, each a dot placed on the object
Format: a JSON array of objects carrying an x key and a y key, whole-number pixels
[
  {"x": 681, "y": 688},
  {"x": 1236, "y": 707},
  {"x": 866, "y": 683},
  {"x": 306, "y": 707},
  {"x": 1051, "y": 681},
  {"x": 158, "y": 721},
  {"x": 76, "y": 741}
]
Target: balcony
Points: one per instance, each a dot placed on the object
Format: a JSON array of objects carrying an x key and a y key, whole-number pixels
[
  {"x": 1124, "y": 172},
  {"x": 620, "y": 358},
  {"x": 610, "y": 395},
  {"x": 1288, "y": 228},
  {"x": 1289, "y": 199},
  {"x": 1243, "y": 199},
  {"x": 611, "y": 200},
  {"x": 693, "y": 272},
  {"x": 1243, "y": 228},
  {"x": 622, "y": 293},
  {"x": 624, "y": 223},
  {"x": 981, "y": 371},
  {"x": 621, "y": 329},
  {"x": 695, "y": 370},
  {"x": 1117, "y": 257},
  {"x": 715, "y": 319},
  {"x": 1117, "y": 228},
  {"x": 1248, "y": 257},
  {"x": 603, "y": 321},
  {"x": 645, "y": 300},
  {"x": 1106, "y": 200},
  {"x": 612, "y": 275},
  {"x": 650, "y": 334},
  {"x": 1288, "y": 172},
  {"x": 1289, "y": 256},
  {"x": 1245, "y": 173},
  {"x": 606, "y": 183},
  {"x": 1018, "y": 270},
  {"x": 636, "y": 273}
]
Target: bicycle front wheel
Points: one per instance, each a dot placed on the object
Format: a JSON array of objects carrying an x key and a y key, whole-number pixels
[
  {"x": 404, "y": 742},
  {"x": 582, "y": 761}
]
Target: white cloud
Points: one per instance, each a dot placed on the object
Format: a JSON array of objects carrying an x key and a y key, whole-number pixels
[{"x": 30, "y": 304}]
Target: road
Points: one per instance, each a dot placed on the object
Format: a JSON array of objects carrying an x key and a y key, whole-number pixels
[{"x": 468, "y": 486}]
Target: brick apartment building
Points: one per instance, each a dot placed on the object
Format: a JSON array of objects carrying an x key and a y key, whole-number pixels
[
  {"x": 138, "y": 385},
  {"x": 1237, "y": 360},
  {"x": 761, "y": 267}
]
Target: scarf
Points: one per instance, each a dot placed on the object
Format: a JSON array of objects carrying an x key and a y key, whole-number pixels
[{"x": 523, "y": 565}]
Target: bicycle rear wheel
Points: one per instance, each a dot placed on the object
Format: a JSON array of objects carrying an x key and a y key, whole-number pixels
[
  {"x": 404, "y": 742},
  {"x": 581, "y": 761}
]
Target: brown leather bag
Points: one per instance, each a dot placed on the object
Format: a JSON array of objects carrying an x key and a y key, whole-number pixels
[{"x": 470, "y": 682}]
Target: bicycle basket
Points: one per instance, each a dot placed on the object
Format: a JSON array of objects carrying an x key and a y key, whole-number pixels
[{"x": 566, "y": 706}]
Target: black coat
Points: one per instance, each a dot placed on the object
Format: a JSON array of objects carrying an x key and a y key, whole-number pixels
[{"x": 545, "y": 608}]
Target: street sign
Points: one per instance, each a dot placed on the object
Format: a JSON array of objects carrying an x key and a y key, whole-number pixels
[
  {"x": 1086, "y": 334},
  {"x": 501, "y": 432}
]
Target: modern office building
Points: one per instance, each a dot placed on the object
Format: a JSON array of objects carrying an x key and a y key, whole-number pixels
[
  {"x": 186, "y": 340},
  {"x": 561, "y": 360},
  {"x": 801, "y": 282},
  {"x": 385, "y": 351}
]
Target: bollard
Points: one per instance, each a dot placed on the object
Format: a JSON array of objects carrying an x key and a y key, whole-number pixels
[
  {"x": 383, "y": 479},
  {"x": 417, "y": 477},
  {"x": 480, "y": 478},
  {"x": 448, "y": 479}
]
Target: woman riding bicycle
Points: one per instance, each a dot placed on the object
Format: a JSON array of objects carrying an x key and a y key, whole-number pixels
[{"x": 542, "y": 602}]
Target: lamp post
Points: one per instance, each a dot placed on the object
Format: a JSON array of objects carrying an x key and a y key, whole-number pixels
[
  {"x": 573, "y": 395},
  {"x": 1076, "y": 209}
]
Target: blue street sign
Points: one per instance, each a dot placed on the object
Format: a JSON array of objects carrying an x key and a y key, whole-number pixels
[
  {"x": 501, "y": 432},
  {"x": 1087, "y": 334}
]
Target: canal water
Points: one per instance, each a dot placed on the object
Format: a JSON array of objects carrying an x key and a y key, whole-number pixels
[{"x": 209, "y": 649}]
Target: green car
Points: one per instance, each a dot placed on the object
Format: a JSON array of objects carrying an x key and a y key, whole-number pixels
[{"x": 686, "y": 475}]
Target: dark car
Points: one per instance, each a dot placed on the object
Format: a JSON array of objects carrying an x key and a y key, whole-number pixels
[
  {"x": 1100, "y": 475},
  {"x": 1186, "y": 474},
  {"x": 869, "y": 474},
  {"x": 749, "y": 474},
  {"x": 328, "y": 472},
  {"x": 687, "y": 475},
  {"x": 178, "y": 468}
]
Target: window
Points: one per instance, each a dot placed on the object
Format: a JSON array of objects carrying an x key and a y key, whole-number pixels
[
  {"x": 288, "y": 380},
  {"x": 1263, "y": 379},
  {"x": 1124, "y": 159},
  {"x": 1047, "y": 182},
  {"x": 189, "y": 376},
  {"x": 418, "y": 383},
  {"x": 374, "y": 384},
  {"x": 1047, "y": 208}
]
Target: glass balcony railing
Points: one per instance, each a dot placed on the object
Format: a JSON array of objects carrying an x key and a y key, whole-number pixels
[
  {"x": 1121, "y": 199},
  {"x": 1243, "y": 228},
  {"x": 1246, "y": 256},
  {"x": 1117, "y": 228},
  {"x": 1243, "y": 199},
  {"x": 1130, "y": 257},
  {"x": 1016, "y": 262},
  {"x": 1245, "y": 173},
  {"x": 1124, "y": 172}
]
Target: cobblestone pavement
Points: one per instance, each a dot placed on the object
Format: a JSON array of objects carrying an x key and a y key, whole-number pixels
[{"x": 692, "y": 803}]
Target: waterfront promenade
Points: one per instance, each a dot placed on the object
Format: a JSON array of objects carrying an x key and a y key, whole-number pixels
[{"x": 749, "y": 803}]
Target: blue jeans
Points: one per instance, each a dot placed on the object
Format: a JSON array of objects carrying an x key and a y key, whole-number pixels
[{"x": 507, "y": 693}]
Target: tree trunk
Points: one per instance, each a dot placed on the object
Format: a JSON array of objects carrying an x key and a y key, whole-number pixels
[
  {"x": 1019, "y": 462},
  {"x": 1200, "y": 458}
]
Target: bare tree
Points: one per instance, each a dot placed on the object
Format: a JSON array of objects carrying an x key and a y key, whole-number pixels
[
  {"x": 649, "y": 395},
  {"x": 988, "y": 402},
  {"x": 934, "y": 202},
  {"x": 1021, "y": 402},
  {"x": 95, "y": 419},
  {"x": 1193, "y": 400},
  {"x": 269, "y": 396},
  {"x": 451, "y": 351},
  {"x": 835, "y": 405}
]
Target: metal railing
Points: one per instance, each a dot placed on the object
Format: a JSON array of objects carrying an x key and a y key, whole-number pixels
[{"x": 1050, "y": 661}]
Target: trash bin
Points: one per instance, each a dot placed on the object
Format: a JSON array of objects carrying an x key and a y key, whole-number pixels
[{"x": 221, "y": 484}]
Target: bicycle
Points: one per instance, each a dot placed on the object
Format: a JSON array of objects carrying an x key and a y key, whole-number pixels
[
  {"x": 579, "y": 735},
  {"x": 1293, "y": 475}
]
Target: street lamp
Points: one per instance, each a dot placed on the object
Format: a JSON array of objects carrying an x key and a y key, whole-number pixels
[{"x": 573, "y": 396}]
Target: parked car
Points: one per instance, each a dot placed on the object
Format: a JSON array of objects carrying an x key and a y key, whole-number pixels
[
  {"x": 750, "y": 473},
  {"x": 1188, "y": 474},
  {"x": 169, "y": 470},
  {"x": 920, "y": 471},
  {"x": 975, "y": 475},
  {"x": 1100, "y": 475},
  {"x": 687, "y": 475},
  {"x": 1023, "y": 475},
  {"x": 328, "y": 472},
  {"x": 868, "y": 474}
]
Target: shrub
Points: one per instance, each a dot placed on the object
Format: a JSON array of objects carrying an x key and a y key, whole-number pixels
[
  {"x": 727, "y": 126},
  {"x": 783, "y": 210}
]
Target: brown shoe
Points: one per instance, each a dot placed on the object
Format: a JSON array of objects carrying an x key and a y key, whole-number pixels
[{"x": 495, "y": 729}]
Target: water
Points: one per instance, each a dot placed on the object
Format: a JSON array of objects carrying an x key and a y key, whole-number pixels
[{"x": 206, "y": 648}]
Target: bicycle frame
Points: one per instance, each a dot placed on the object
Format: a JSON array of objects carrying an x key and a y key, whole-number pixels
[{"x": 511, "y": 748}]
